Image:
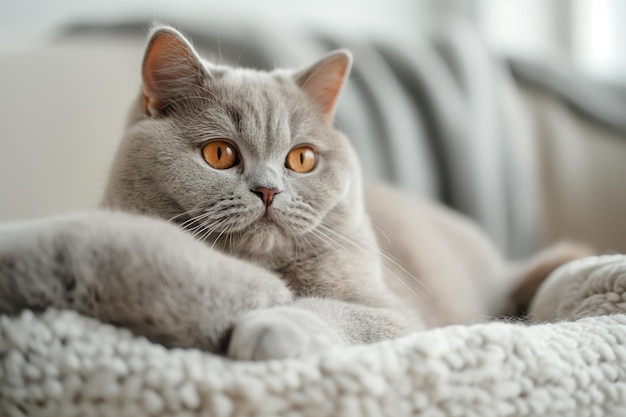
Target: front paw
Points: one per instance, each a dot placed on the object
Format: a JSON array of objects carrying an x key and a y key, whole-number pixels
[{"x": 280, "y": 332}]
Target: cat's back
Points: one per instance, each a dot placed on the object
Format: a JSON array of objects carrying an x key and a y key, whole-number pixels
[{"x": 437, "y": 260}]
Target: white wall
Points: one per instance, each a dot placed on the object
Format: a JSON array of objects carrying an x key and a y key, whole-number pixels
[
  {"x": 599, "y": 37},
  {"x": 62, "y": 113},
  {"x": 35, "y": 18},
  {"x": 590, "y": 33}
]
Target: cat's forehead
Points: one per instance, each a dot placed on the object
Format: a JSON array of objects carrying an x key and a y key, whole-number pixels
[
  {"x": 267, "y": 109},
  {"x": 277, "y": 85}
]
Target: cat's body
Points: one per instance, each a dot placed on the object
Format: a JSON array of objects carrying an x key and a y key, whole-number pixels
[{"x": 249, "y": 165}]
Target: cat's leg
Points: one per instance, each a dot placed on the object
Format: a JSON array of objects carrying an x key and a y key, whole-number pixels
[
  {"x": 310, "y": 325},
  {"x": 141, "y": 273},
  {"x": 281, "y": 332}
]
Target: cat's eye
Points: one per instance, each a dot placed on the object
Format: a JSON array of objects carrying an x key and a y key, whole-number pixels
[
  {"x": 220, "y": 154},
  {"x": 301, "y": 159}
]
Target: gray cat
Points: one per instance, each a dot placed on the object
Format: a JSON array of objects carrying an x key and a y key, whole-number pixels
[{"x": 269, "y": 251}]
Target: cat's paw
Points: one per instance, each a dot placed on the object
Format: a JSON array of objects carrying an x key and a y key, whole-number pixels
[{"x": 280, "y": 332}]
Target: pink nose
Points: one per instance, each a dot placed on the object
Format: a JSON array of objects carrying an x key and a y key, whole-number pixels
[{"x": 265, "y": 194}]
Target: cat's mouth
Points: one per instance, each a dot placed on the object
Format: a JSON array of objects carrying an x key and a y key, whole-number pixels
[
  {"x": 269, "y": 214},
  {"x": 268, "y": 220},
  {"x": 271, "y": 221},
  {"x": 264, "y": 223}
]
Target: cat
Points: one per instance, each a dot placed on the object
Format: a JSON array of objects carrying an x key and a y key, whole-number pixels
[{"x": 235, "y": 220}]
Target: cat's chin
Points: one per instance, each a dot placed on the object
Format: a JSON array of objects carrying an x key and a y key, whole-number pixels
[{"x": 262, "y": 237}]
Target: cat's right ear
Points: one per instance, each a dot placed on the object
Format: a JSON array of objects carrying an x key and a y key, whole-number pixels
[{"x": 171, "y": 69}]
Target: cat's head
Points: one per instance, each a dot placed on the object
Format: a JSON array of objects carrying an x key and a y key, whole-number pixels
[{"x": 245, "y": 157}]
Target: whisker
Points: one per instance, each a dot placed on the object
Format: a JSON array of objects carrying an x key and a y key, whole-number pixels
[
  {"x": 183, "y": 214},
  {"x": 206, "y": 224},
  {"x": 319, "y": 261},
  {"x": 333, "y": 243},
  {"x": 329, "y": 240},
  {"x": 220, "y": 235},
  {"x": 382, "y": 232},
  {"x": 361, "y": 260},
  {"x": 241, "y": 52},
  {"x": 226, "y": 231},
  {"x": 208, "y": 230},
  {"x": 394, "y": 275},
  {"x": 219, "y": 46},
  {"x": 389, "y": 258},
  {"x": 370, "y": 220},
  {"x": 187, "y": 224}
]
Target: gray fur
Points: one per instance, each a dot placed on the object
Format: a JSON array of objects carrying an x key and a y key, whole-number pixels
[
  {"x": 159, "y": 171},
  {"x": 139, "y": 272}
]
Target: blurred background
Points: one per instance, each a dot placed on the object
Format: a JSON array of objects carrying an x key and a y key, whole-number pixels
[
  {"x": 510, "y": 111},
  {"x": 591, "y": 33}
]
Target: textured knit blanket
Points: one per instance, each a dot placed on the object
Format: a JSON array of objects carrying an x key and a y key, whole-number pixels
[{"x": 62, "y": 364}]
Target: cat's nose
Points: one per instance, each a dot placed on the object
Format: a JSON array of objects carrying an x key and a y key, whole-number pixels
[{"x": 266, "y": 194}]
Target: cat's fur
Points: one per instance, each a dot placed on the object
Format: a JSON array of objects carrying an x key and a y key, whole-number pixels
[{"x": 300, "y": 275}]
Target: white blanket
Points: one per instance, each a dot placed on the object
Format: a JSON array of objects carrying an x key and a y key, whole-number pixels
[{"x": 62, "y": 364}]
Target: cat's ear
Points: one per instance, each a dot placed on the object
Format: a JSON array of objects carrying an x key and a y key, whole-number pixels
[
  {"x": 324, "y": 80},
  {"x": 171, "y": 69}
]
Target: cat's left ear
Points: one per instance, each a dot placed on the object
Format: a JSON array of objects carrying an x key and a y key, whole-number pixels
[
  {"x": 171, "y": 69},
  {"x": 324, "y": 81}
]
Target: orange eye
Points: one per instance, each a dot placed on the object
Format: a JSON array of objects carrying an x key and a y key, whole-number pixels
[
  {"x": 220, "y": 154},
  {"x": 301, "y": 159}
]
